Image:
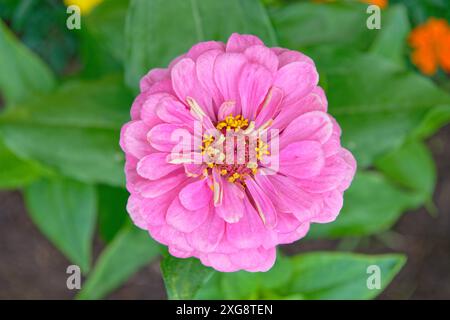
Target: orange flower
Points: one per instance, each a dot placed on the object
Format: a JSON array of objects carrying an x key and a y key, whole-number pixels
[
  {"x": 381, "y": 3},
  {"x": 431, "y": 46}
]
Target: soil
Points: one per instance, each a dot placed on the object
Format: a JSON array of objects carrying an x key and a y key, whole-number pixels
[{"x": 31, "y": 268}]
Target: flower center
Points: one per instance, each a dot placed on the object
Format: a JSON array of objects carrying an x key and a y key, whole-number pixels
[{"x": 236, "y": 152}]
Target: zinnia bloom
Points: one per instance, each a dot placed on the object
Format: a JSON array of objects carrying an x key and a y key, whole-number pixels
[
  {"x": 431, "y": 46},
  {"x": 233, "y": 215}
]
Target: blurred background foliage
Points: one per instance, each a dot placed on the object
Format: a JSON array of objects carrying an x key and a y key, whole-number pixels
[{"x": 66, "y": 93}]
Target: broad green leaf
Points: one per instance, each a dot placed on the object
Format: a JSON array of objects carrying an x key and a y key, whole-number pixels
[
  {"x": 130, "y": 250},
  {"x": 16, "y": 172},
  {"x": 378, "y": 104},
  {"x": 411, "y": 166},
  {"x": 436, "y": 118},
  {"x": 372, "y": 204},
  {"x": 74, "y": 130},
  {"x": 301, "y": 26},
  {"x": 151, "y": 41},
  {"x": 65, "y": 211},
  {"x": 184, "y": 277},
  {"x": 102, "y": 38},
  {"x": 333, "y": 275},
  {"x": 22, "y": 74},
  {"x": 112, "y": 214},
  {"x": 106, "y": 23},
  {"x": 392, "y": 39}
]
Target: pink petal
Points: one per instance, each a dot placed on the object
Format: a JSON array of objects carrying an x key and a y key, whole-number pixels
[
  {"x": 154, "y": 76},
  {"x": 232, "y": 208},
  {"x": 270, "y": 106},
  {"x": 186, "y": 85},
  {"x": 227, "y": 71},
  {"x": 286, "y": 56},
  {"x": 259, "y": 259},
  {"x": 183, "y": 219},
  {"x": 156, "y": 188},
  {"x": 196, "y": 195},
  {"x": 263, "y": 56},
  {"x": 302, "y": 159},
  {"x": 165, "y": 137},
  {"x": 296, "y": 79},
  {"x": 249, "y": 231},
  {"x": 205, "y": 74},
  {"x": 207, "y": 236},
  {"x": 155, "y": 166},
  {"x": 335, "y": 171},
  {"x": 238, "y": 43},
  {"x": 315, "y": 126},
  {"x": 133, "y": 139},
  {"x": 254, "y": 83},
  {"x": 264, "y": 206},
  {"x": 332, "y": 205},
  {"x": 227, "y": 108},
  {"x": 292, "y": 198},
  {"x": 315, "y": 101},
  {"x": 172, "y": 111},
  {"x": 202, "y": 47}
]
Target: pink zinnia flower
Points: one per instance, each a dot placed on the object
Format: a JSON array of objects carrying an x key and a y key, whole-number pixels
[{"x": 232, "y": 216}]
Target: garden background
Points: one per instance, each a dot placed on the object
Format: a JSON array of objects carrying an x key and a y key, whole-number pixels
[{"x": 64, "y": 95}]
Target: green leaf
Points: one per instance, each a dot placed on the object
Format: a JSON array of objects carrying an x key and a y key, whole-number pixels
[
  {"x": 377, "y": 103},
  {"x": 16, "y": 172},
  {"x": 333, "y": 275},
  {"x": 74, "y": 130},
  {"x": 102, "y": 38},
  {"x": 65, "y": 211},
  {"x": 112, "y": 203},
  {"x": 153, "y": 42},
  {"x": 106, "y": 23},
  {"x": 22, "y": 74},
  {"x": 392, "y": 39},
  {"x": 130, "y": 250},
  {"x": 301, "y": 26},
  {"x": 372, "y": 204},
  {"x": 184, "y": 277},
  {"x": 411, "y": 166},
  {"x": 436, "y": 118}
]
